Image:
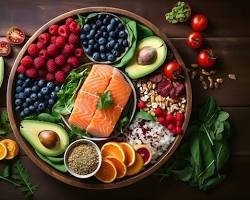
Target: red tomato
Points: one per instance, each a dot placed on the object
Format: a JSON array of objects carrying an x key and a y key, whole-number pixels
[
  {"x": 195, "y": 40},
  {"x": 172, "y": 70},
  {"x": 199, "y": 22},
  {"x": 4, "y": 48},
  {"x": 206, "y": 58},
  {"x": 15, "y": 35}
]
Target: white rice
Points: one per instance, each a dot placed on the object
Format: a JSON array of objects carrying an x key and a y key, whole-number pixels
[{"x": 157, "y": 137}]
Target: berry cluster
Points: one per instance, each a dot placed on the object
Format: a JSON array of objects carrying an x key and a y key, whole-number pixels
[
  {"x": 104, "y": 38},
  {"x": 34, "y": 96},
  {"x": 54, "y": 54}
]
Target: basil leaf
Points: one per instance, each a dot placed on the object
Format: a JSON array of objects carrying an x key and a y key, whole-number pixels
[
  {"x": 145, "y": 115},
  {"x": 105, "y": 100}
]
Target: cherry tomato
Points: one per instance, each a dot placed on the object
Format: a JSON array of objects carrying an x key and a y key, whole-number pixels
[
  {"x": 172, "y": 70},
  {"x": 4, "y": 48},
  {"x": 199, "y": 22},
  {"x": 15, "y": 35},
  {"x": 206, "y": 58},
  {"x": 195, "y": 40}
]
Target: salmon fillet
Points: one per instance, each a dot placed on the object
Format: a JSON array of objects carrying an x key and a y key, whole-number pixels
[{"x": 85, "y": 115}]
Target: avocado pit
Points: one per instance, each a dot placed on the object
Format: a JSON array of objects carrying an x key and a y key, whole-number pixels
[
  {"x": 48, "y": 138},
  {"x": 147, "y": 55}
]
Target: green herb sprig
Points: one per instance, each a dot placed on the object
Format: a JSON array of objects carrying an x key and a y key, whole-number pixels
[
  {"x": 202, "y": 156},
  {"x": 105, "y": 100},
  {"x": 179, "y": 13}
]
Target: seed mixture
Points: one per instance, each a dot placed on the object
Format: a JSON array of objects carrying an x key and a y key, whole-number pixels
[{"x": 83, "y": 159}]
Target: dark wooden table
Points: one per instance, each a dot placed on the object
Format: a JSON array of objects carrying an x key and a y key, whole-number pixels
[{"x": 229, "y": 36}]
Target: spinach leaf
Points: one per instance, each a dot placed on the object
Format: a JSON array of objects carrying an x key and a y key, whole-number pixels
[
  {"x": 221, "y": 150},
  {"x": 77, "y": 133},
  {"x": 143, "y": 31},
  {"x": 122, "y": 123},
  {"x": 80, "y": 20},
  {"x": 105, "y": 100},
  {"x": 145, "y": 115}
]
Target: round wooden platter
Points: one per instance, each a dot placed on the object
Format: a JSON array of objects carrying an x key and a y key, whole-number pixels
[{"x": 66, "y": 178}]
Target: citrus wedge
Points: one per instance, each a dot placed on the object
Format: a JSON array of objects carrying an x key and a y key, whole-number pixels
[
  {"x": 129, "y": 153},
  {"x": 113, "y": 149},
  {"x": 107, "y": 172},
  {"x": 12, "y": 148},
  {"x": 119, "y": 165},
  {"x": 137, "y": 166},
  {"x": 3, "y": 151}
]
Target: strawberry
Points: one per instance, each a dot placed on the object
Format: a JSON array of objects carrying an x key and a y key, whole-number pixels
[
  {"x": 66, "y": 68},
  {"x": 63, "y": 30},
  {"x": 73, "y": 61},
  {"x": 44, "y": 54},
  {"x": 73, "y": 39},
  {"x": 44, "y": 38},
  {"x": 53, "y": 40},
  {"x": 20, "y": 69},
  {"x": 42, "y": 73},
  {"x": 60, "y": 41},
  {"x": 60, "y": 76},
  {"x": 50, "y": 77},
  {"x": 60, "y": 60},
  {"x": 33, "y": 50},
  {"x": 53, "y": 29},
  {"x": 27, "y": 61},
  {"x": 68, "y": 50},
  {"x": 52, "y": 50},
  {"x": 51, "y": 65},
  {"x": 31, "y": 73},
  {"x": 74, "y": 27},
  {"x": 39, "y": 62},
  {"x": 79, "y": 52},
  {"x": 69, "y": 20},
  {"x": 40, "y": 45}
]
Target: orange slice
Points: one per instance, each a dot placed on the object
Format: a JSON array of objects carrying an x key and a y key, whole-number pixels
[
  {"x": 107, "y": 172},
  {"x": 12, "y": 148},
  {"x": 137, "y": 166},
  {"x": 119, "y": 165},
  {"x": 113, "y": 149},
  {"x": 129, "y": 153},
  {"x": 3, "y": 151}
]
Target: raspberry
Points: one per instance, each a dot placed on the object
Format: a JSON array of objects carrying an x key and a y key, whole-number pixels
[
  {"x": 33, "y": 50},
  {"x": 51, "y": 65},
  {"x": 53, "y": 29},
  {"x": 44, "y": 38},
  {"x": 20, "y": 69},
  {"x": 73, "y": 39},
  {"x": 50, "y": 77},
  {"x": 178, "y": 130},
  {"x": 169, "y": 118},
  {"x": 63, "y": 30},
  {"x": 73, "y": 61},
  {"x": 27, "y": 61},
  {"x": 60, "y": 41},
  {"x": 161, "y": 120},
  {"x": 74, "y": 27},
  {"x": 179, "y": 117},
  {"x": 66, "y": 68},
  {"x": 44, "y": 54},
  {"x": 60, "y": 76},
  {"x": 52, "y": 50},
  {"x": 39, "y": 62},
  {"x": 31, "y": 73},
  {"x": 69, "y": 20},
  {"x": 42, "y": 73},
  {"x": 60, "y": 60},
  {"x": 158, "y": 112},
  {"x": 79, "y": 53},
  {"x": 68, "y": 50},
  {"x": 53, "y": 40},
  {"x": 170, "y": 127},
  {"x": 40, "y": 45}
]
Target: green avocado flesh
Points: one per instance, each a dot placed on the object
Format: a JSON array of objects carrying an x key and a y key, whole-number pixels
[
  {"x": 135, "y": 70},
  {"x": 1, "y": 70},
  {"x": 30, "y": 130}
]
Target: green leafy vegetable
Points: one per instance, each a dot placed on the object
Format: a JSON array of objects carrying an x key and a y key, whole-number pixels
[
  {"x": 202, "y": 156},
  {"x": 18, "y": 176},
  {"x": 77, "y": 133},
  {"x": 145, "y": 115},
  {"x": 105, "y": 100},
  {"x": 80, "y": 20},
  {"x": 122, "y": 123},
  {"x": 4, "y": 124},
  {"x": 68, "y": 92},
  {"x": 143, "y": 31}
]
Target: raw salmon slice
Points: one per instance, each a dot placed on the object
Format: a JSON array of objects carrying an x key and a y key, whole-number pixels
[
  {"x": 84, "y": 109},
  {"x": 98, "y": 79}
]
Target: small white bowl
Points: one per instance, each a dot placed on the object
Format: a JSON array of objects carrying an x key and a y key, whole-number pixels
[{"x": 73, "y": 145}]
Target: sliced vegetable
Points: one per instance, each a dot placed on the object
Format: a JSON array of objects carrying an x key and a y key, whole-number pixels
[
  {"x": 4, "y": 48},
  {"x": 15, "y": 35}
]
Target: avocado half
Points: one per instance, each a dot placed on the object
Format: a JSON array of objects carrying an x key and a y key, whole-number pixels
[
  {"x": 135, "y": 70},
  {"x": 30, "y": 130}
]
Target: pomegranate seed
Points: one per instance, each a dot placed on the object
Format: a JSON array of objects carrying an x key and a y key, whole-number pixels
[
  {"x": 170, "y": 127},
  {"x": 178, "y": 130},
  {"x": 169, "y": 118},
  {"x": 141, "y": 104},
  {"x": 158, "y": 112},
  {"x": 179, "y": 117},
  {"x": 161, "y": 120}
]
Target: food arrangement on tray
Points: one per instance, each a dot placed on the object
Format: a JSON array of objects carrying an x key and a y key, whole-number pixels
[{"x": 100, "y": 96}]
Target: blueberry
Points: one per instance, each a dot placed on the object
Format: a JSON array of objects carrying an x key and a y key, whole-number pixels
[
  {"x": 18, "y": 102},
  {"x": 18, "y": 108},
  {"x": 16, "y": 96},
  {"x": 57, "y": 88},
  {"x": 117, "y": 46},
  {"x": 26, "y": 111},
  {"x": 108, "y": 17},
  {"x": 122, "y": 34},
  {"x": 91, "y": 47},
  {"x": 36, "y": 104},
  {"x": 110, "y": 38},
  {"x": 25, "y": 105},
  {"x": 40, "y": 95},
  {"x": 98, "y": 23},
  {"x": 28, "y": 81},
  {"x": 19, "y": 82},
  {"x": 96, "y": 46},
  {"x": 28, "y": 100},
  {"x": 110, "y": 27},
  {"x": 103, "y": 56},
  {"x": 96, "y": 56},
  {"x": 19, "y": 89},
  {"x": 100, "y": 16},
  {"x": 103, "y": 28},
  {"x": 102, "y": 41},
  {"x": 27, "y": 91},
  {"x": 35, "y": 88},
  {"x": 121, "y": 26},
  {"x": 113, "y": 21},
  {"x": 21, "y": 95},
  {"x": 91, "y": 42},
  {"x": 105, "y": 21},
  {"x": 51, "y": 101},
  {"x": 125, "y": 43},
  {"x": 44, "y": 90},
  {"x": 112, "y": 34},
  {"x": 88, "y": 51},
  {"x": 33, "y": 96},
  {"x": 85, "y": 43},
  {"x": 53, "y": 95},
  {"x": 86, "y": 27},
  {"x": 115, "y": 53},
  {"x": 94, "y": 27},
  {"x": 105, "y": 34},
  {"x": 41, "y": 106},
  {"x": 32, "y": 108},
  {"x": 41, "y": 83},
  {"x": 82, "y": 36},
  {"x": 22, "y": 114},
  {"x": 120, "y": 40},
  {"x": 112, "y": 43},
  {"x": 21, "y": 76},
  {"x": 97, "y": 36},
  {"x": 46, "y": 97},
  {"x": 102, "y": 48},
  {"x": 111, "y": 58}
]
